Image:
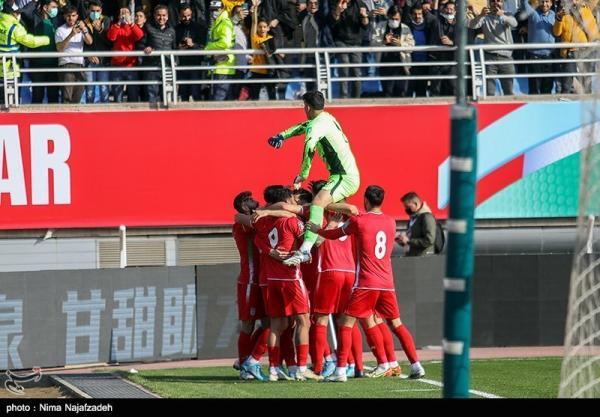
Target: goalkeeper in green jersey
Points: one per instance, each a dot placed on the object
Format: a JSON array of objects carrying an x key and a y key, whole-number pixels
[{"x": 324, "y": 135}]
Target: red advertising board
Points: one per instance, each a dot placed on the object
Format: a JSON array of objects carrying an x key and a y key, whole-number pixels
[{"x": 183, "y": 167}]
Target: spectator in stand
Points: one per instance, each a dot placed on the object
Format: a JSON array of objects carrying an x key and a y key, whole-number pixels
[
  {"x": 348, "y": 20},
  {"x": 420, "y": 30},
  {"x": 539, "y": 29},
  {"x": 198, "y": 8},
  {"x": 443, "y": 35},
  {"x": 98, "y": 25},
  {"x": 261, "y": 39},
  {"x": 497, "y": 30},
  {"x": 377, "y": 10},
  {"x": 396, "y": 34},
  {"x": 137, "y": 93},
  {"x": 189, "y": 35},
  {"x": 41, "y": 18},
  {"x": 239, "y": 15},
  {"x": 159, "y": 37},
  {"x": 576, "y": 24},
  {"x": 124, "y": 34},
  {"x": 221, "y": 38},
  {"x": 314, "y": 22},
  {"x": 70, "y": 38}
]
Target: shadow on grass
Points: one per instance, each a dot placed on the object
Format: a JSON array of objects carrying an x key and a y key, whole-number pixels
[{"x": 200, "y": 379}]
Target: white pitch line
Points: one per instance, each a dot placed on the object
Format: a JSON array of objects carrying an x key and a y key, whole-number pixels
[{"x": 472, "y": 391}]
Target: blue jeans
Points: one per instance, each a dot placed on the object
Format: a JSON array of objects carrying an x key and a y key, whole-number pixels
[
  {"x": 221, "y": 91},
  {"x": 90, "y": 90},
  {"x": 122, "y": 76}
]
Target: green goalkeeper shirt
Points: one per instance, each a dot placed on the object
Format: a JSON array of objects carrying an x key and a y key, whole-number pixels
[{"x": 324, "y": 134}]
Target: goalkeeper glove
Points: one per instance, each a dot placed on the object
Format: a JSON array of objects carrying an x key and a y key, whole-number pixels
[{"x": 276, "y": 141}]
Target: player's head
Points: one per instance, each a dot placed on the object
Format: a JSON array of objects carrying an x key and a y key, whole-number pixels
[
  {"x": 412, "y": 202},
  {"x": 269, "y": 194},
  {"x": 374, "y": 195},
  {"x": 314, "y": 103},
  {"x": 283, "y": 195},
  {"x": 302, "y": 196},
  {"x": 316, "y": 186},
  {"x": 244, "y": 203}
]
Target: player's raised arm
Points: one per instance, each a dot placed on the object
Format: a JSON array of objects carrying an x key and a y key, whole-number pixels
[{"x": 277, "y": 140}]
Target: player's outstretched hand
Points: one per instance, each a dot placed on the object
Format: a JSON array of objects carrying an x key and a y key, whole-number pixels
[{"x": 276, "y": 141}]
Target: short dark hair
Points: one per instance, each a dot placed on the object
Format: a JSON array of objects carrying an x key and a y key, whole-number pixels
[
  {"x": 244, "y": 203},
  {"x": 140, "y": 9},
  {"x": 69, "y": 8},
  {"x": 375, "y": 195},
  {"x": 393, "y": 11},
  {"x": 304, "y": 196},
  {"x": 94, "y": 3},
  {"x": 270, "y": 193},
  {"x": 314, "y": 99},
  {"x": 281, "y": 195},
  {"x": 410, "y": 196},
  {"x": 184, "y": 6},
  {"x": 417, "y": 6},
  {"x": 160, "y": 7},
  {"x": 316, "y": 186}
]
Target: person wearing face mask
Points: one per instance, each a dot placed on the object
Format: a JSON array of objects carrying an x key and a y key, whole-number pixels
[
  {"x": 443, "y": 35},
  {"x": 12, "y": 35},
  {"x": 396, "y": 34},
  {"x": 420, "y": 235},
  {"x": 189, "y": 35},
  {"x": 98, "y": 25},
  {"x": 42, "y": 19}
]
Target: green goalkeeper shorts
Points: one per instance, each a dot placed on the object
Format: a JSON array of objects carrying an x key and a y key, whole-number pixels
[{"x": 342, "y": 186}]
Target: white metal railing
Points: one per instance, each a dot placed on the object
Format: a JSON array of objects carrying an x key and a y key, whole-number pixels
[{"x": 322, "y": 67}]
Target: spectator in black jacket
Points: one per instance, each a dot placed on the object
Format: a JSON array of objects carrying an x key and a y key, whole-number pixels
[
  {"x": 189, "y": 35},
  {"x": 313, "y": 21},
  {"x": 98, "y": 25},
  {"x": 136, "y": 93},
  {"x": 159, "y": 37},
  {"x": 348, "y": 20},
  {"x": 442, "y": 34},
  {"x": 42, "y": 18}
]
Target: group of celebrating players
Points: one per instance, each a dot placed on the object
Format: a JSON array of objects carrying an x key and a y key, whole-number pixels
[{"x": 342, "y": 269}]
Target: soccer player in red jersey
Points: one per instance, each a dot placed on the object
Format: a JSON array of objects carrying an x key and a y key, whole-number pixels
[
  {"x": 249, "y": 297},
  {"x": 286, "y": 293},
  {"x": 373, "y": 291}
]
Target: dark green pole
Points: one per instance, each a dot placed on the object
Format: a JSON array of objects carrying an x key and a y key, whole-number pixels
[{"x": 460, "y": 226}]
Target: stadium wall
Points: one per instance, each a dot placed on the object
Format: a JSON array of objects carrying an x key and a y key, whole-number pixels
[
  {"x": 183, "y": 167},
  {"x": 58, "y": 318}
]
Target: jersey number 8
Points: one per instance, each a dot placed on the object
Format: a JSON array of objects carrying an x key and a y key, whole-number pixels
[{"x": 380, "y": 241}]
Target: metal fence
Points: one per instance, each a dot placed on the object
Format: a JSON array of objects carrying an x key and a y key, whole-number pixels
[{"x": 320, "y": 66}]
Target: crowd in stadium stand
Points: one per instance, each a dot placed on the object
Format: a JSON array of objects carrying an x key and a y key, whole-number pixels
[{"x": 273, "y": 24}]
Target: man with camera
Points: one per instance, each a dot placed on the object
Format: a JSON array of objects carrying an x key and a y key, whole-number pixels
[
  {"x": 70, "y": 37},
  {"x": 497, "y": 30}
]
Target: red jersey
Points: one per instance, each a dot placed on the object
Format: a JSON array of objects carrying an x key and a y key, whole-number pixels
[
  {"x": 337, "y": 255},
  {"x": 374, "y": 234},
  {"x": 278, "y": 233},
  {"x": 249, "y": 256}
]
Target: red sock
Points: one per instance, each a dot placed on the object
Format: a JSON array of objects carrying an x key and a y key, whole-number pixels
[
  {"x": 344, "y": 345},
  {"x": 357, "y": 347},
  {"x": 302, "y": 355},
  {"x": 320, "y": 342},
  {"x": 287, "y": 347},
  {"x": 327, "y": 350},
  {"x": 260, "y": 347},
  {"x": 312, "y": 342},
  {"x": 388, "y": 342},
  {"x": 274, "y": 356},
  {"x": 375, "y": 341},
  {"x": 244, "y": 346},
  {"x": 407, "y": 342}
]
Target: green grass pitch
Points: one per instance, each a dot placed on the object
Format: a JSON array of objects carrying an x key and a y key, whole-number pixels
[{"x": 509, "y": 378}]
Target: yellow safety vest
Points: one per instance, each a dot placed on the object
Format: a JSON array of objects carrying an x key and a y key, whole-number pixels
[{"x": 12, "y": 36}]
